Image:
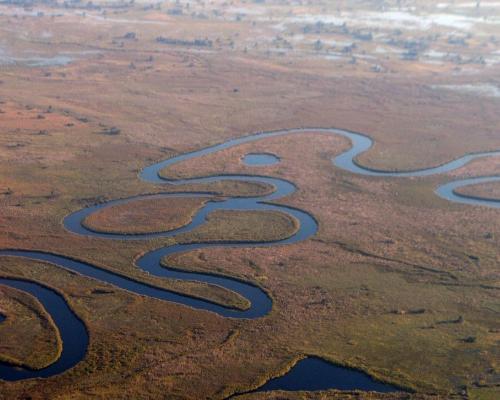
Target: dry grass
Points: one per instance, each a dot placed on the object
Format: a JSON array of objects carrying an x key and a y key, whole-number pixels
[
  {"x": 243, "y": 226},
  {"x": 145, "y": 216},
  {"x": 384, "y": 245},
  {"x": 28, "y": 324},
  {"x": 483, "y": 190}
]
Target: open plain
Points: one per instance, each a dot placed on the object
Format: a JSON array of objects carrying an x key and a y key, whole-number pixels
[{"x": 396, "y": 282}]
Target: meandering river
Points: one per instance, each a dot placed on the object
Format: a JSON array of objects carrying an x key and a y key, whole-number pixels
[{"x": 71, "y": 329}]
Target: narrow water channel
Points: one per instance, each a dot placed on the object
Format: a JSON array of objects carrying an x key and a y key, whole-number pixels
[{"x": 309, "y": 374}]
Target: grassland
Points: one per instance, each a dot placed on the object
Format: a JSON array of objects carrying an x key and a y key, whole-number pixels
[
  {"x": 395, "y": 282},
  {"x": 168, "y": 214},
  {"x": 145, "y": 216},
  {"x": 26, "y": 322},
  {"x": 484, "y": 190},
  {"x": 243, "y": 226}
]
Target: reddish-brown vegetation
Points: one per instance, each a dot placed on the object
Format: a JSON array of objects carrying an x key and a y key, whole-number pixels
[{"x": 385, "y": 247}]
